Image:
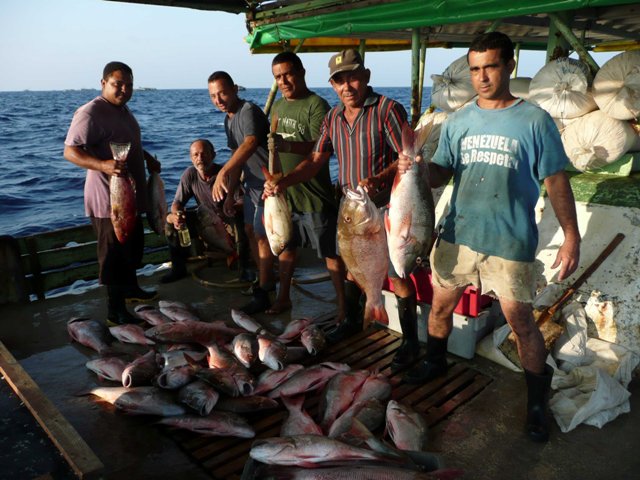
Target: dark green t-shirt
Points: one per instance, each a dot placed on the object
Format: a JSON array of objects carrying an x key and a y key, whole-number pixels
[{"x": 299, "y": 121}]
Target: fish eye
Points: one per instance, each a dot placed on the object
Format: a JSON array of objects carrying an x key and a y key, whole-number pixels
[{"x": 347, "y": 219}]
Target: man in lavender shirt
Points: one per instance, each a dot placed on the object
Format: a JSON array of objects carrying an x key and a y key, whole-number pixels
[{"x": 107, "y": 119}]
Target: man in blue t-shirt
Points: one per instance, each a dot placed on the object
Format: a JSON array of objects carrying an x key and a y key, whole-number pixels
[{"x": 498, "y": 150}]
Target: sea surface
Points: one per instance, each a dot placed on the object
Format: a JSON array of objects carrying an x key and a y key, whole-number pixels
[{"x": 41, "y": 191}]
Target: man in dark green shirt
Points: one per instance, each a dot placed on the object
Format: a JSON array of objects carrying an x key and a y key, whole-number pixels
[{"x": 313, "y": 204}]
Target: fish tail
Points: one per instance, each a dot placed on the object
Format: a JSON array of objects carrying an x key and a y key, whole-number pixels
[{"x": 376, "y": 313}]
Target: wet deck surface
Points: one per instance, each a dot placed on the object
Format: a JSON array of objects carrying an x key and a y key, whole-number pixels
[{"x": 482, "y": 436}]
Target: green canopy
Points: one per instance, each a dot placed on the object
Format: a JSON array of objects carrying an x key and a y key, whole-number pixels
[{"x": 452, "y": 21}]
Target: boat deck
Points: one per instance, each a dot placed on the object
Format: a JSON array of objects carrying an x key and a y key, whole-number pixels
[{"x": 475, "y": 413}]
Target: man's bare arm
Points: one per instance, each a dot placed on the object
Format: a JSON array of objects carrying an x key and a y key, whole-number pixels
[{"x": 564, "y": 206}]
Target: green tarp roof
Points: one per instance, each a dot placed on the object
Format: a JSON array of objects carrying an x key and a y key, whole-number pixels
[{"x": 454, "y": 21}]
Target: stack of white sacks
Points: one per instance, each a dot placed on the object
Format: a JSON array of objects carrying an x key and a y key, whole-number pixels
[{"x": 596, "y": 116}]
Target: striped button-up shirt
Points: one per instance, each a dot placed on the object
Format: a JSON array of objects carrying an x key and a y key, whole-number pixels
[{"x": 368, "y": 146}]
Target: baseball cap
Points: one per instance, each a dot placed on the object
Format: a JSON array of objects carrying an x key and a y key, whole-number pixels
[{"x": 345, "y": 61}]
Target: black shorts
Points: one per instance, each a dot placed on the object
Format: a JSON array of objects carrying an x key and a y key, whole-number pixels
[
  {"x": 118, "y": 261},
  {"x": 316, "y": 230}
]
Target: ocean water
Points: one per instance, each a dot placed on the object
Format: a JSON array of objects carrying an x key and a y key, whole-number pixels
[{"x": 41, "y": 191}]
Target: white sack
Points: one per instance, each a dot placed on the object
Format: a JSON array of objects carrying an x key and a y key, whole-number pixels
[
  {"x": 431, "y": 143},
  {"x": 596, "y": 140},
  {"x": 453, "y": 88},
  {"x": 563, "y": 123},
  {"x": 519, "y": 87},
  {"x": 587, "y": 395},
  {"x": 571, "y": 346},
  {"x": 562, "y": 88},
  {"x": 616, "y": 86}
]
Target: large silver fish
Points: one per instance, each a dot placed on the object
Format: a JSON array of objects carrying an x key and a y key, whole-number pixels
[
  {"x": 140, "y": 400},
  {"x": 108, "y": 368},
  {"x": 271, "y": 352},
  {"x": 213, "y": 230},
  {"x": 245, "y": 347},
  {"x": 370, "y": 413},
  {"x": 309, "y": 451},
  {"x": 189, "y": 331},
  {"x": 410, "y": 219},
  {"x": 122, "y": 193},
  {"x": 334, "y": 401},
  {"x": 313, "y": 339},
  {"x": 270, "y": 379},
  {"x": 277, "y": 219},
  {"x": 224, "y": 424},
  {"x": 363, "y": 246},
  {"x": 177, "y": 311},
  {"x": 245, "y": 321},
  {"x": 177, "y": 377},
  {"x": 294, "y": 329},
  {"x": 151, "y": 315},
  {"x": 90, "y": 333},
  {"x": 130, "y": 333},
  {"x": 157, "y": 214},
  {"x": 141, "y": 371},
  {"x": 407, "y": 428},
  {"x": 309, "y": 379},
  {"x": 200, "y": 396}
]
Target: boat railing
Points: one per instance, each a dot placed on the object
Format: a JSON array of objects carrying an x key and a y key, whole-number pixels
[{"x": 36, "y": 264}]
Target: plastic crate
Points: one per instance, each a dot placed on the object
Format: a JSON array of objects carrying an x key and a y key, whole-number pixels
[
  {"x": 466, "y": 332},
  {"x": 471, "y": 303}
]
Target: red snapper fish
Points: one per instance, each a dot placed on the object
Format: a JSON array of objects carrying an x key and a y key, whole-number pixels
[
  {"x": 90, "y": 333},
  {"x": 277, "y": 218},
  {"x": 410, "y": 219},
  {"x": 362, "y": 243},
  {"x": 213, "y": 230},
  {"x": 157, "y": 214},
  {"x": 122, "y": 191}
]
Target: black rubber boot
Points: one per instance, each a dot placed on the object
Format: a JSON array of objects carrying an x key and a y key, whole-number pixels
[
  {"x": 117, "y": 313},
  {"x": 435, "y": 365},
  {"x": 354, "y": 312},
  {"x": 134, "y": 293},
  {"x": 410, "y": 347},
  {"x": 259, "y": 303},
  {"x": 538, "y": 387}
]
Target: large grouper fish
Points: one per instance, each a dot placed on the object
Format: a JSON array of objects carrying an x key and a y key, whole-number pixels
[
  {"x": 410, "y": 219},
  {"x": 363, "y": 246},
  {"x": 122, "y": 195}
]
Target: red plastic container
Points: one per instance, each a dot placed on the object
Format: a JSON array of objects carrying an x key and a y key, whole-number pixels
[{"x": 470, "y": 304}]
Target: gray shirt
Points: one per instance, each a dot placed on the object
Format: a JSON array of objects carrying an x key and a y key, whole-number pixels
[{"x": 249, "y": 120}]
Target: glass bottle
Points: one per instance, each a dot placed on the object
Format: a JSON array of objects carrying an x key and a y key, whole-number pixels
[{"x": 183, "y": 233}]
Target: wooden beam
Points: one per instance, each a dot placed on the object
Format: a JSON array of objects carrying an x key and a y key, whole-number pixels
[{"x": 76, "y": 452}]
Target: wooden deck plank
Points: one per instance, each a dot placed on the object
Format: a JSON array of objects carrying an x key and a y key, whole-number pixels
[{"x": 77, "y": 453}]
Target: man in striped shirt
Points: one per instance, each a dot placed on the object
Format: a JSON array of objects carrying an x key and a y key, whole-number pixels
[{"x": 364, "y": 132}]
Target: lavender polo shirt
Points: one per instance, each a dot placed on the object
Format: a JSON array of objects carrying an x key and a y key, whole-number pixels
[{"x": 94, "y": 125}]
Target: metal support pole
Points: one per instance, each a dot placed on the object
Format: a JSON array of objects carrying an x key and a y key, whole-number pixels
[
  {"x": 516, "y": 57},
  {"x": 415, "y": 64},
  {"x": 274, "y": 86},
  {"x": 362, "y": 48},
  {"x": 423, "y": 56},
  {"x": 566, "y": 32}
]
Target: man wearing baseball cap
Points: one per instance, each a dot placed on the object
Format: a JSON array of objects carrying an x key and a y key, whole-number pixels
[{"x": 365, "y": 133}]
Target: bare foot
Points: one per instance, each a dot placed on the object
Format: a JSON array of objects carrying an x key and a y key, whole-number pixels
[{"x": 279, "y": 306}]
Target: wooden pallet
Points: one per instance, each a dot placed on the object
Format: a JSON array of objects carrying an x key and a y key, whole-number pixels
[{"x": 224, "y": 458}]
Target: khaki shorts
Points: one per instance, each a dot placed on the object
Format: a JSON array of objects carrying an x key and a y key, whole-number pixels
[{"x": 456, "y": 266}]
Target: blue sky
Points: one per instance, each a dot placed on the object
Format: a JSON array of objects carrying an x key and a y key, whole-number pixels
[{"x": 63, "y": 44}]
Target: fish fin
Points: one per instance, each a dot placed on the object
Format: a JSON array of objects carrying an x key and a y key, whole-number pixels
[
  {"x": 408, "y": 140},
  {"x": 420, "y": 136},
  {"x": 377, "y": 313}
]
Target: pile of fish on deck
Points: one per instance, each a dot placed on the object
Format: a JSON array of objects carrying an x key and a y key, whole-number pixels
[{"x": 203, "y": 376}]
